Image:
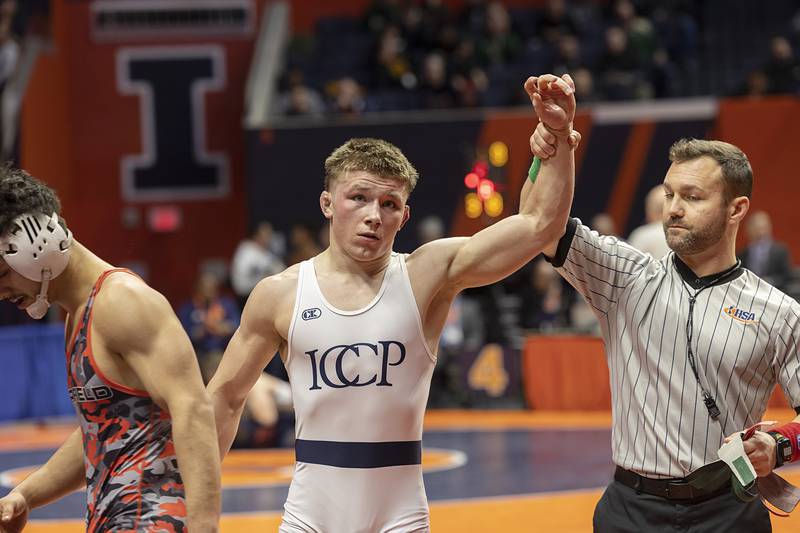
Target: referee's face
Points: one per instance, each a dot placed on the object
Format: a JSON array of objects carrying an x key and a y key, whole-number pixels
[{"x": 695, "y": 216}]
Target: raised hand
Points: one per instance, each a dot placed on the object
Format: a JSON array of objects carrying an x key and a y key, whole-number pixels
[
  {"x": 543, "y": 141},
  {"x": 553, "y": 99}
]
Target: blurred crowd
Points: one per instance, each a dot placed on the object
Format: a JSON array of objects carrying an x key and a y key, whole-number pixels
[
  {"x": 419, "y": 54},
  {"x": 778, "y": 74}
]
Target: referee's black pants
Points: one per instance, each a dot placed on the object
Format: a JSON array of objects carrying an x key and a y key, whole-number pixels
[{"x": 622, "y": 510}]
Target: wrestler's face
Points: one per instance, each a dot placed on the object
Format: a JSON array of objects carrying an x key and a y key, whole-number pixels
[
  {"x": 15, "y": 288},
  {"x": 365, "y": 212},
  {"x": 695, "y": 214}
]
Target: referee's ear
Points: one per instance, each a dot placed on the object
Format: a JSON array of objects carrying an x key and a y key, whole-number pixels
[{"x": 738, "y": 208}]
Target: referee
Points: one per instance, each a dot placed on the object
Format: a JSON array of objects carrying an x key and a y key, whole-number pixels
[{"x": 695, "y": 345}]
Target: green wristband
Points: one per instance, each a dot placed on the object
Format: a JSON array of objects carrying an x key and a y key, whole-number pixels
[{"x": 533, "y": 172}]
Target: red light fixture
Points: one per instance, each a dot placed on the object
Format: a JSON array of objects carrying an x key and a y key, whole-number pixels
[{"x": 472, "y": 180}]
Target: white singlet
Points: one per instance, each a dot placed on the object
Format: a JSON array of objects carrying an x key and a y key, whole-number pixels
[{"x": 360, "y": 382}]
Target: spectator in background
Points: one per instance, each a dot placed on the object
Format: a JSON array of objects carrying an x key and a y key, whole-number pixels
[
  {"x": 782, "y": 70},
  {"x": 435, "y": 18},
  {"x": 619, "y": 67},
  {"x": 677, "y": 30},
  {"x": 556, "y": 21},
  {"x": 585, "y": 87},
  {"x": 303, "y": 244},
  {"x": 500, "y": 42},
  {"x": 473, "y": 16},
  {"x": 435, "y": 90},
  {"x": 210, "y": 318},
  {"x": 347, "y": 97},
  {"x": 253, "y": 261},
  {"x": 381, "y": 14},
  {"x": 302, "y": 101},
  {"x": 448, "y": 38},
  {"x": 764, "y": 256},
  {"x": 755, "y": 86},
  {"x": 413, "y": 31},
  {"x": 429, "y": 229},
  {"x": 469, "y": 80},
  {"x": 463, "y": 58},
  {"x": 568, "y": 55},
  {"x": 267, "y": 418},
  {"x": 426, "y": 26},
  {"x": 391, "y": 67},
  {"x": 663, "y": 75},
  {"x": 639, "y": 30},
  {"x": 470, "y": 89},
  {"x": 650, "y": 237},
  {"x": 299, "y": 99},
  {"x": 604, "y": 224},
  {"x": 584, "y": 18},
  {"x": 544, "y": 305}
]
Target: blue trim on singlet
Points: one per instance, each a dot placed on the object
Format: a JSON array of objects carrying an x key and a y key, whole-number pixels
[{"x": 358, "y": 454}]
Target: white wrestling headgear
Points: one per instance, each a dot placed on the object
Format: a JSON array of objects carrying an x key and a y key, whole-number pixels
[{"x": 37, "y": 248}]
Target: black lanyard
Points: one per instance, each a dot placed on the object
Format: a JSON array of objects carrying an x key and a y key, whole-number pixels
[{"x": 708, "y": 399}]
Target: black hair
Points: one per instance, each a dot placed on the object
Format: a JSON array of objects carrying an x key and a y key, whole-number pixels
[{"x": 21, "y": 193}]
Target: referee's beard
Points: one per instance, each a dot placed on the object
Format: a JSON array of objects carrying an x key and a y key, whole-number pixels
[{"x": 689, "y": 240}]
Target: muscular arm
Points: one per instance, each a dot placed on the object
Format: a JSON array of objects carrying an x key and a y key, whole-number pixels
[
  {"x": 500, "y": 249},
  {"x": 152, "y": 342},
  {"x": 248, "y": 352},
  {"x": 62, "y": 474}
]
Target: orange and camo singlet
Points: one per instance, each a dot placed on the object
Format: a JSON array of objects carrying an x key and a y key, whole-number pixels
[{"x": 132, "y": 477}]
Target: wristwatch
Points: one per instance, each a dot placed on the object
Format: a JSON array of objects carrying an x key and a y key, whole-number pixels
[{"x": 783, "y": 448}]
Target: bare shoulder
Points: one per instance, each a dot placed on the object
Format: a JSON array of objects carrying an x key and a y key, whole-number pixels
[
  {"x": 127, "y": 308},
  {"x": 272, "y": 300},
  {"x": 277, "y": 288}
]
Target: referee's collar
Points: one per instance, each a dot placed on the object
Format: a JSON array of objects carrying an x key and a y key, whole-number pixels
[{"x": 697, "y": 283}]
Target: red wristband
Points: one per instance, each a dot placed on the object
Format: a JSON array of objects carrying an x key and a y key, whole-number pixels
[{"x": 792, "y": 432}]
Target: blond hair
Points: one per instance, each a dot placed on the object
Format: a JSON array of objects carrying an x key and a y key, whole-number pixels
[
  {"x": 737, "y": 175},
  {"x": 375, "y": 156}
]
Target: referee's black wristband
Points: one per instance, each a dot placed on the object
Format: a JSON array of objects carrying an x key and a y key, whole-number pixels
[{"x": 783, "y": 448}]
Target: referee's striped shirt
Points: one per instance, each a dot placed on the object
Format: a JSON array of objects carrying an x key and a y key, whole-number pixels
[{"x": 745, "y": 339}]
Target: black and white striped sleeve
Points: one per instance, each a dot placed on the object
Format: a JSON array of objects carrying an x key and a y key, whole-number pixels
[
  {"x": 787, "y": 347},
  {"x": 599, "y": 267}
]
